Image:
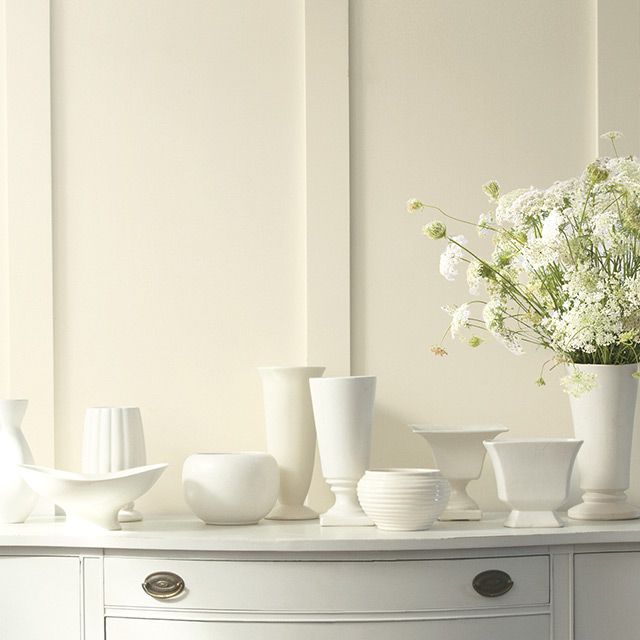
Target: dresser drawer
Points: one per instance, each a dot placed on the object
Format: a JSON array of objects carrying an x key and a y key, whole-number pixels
[
  {"x": 506, "y": 628},
  {"x": 404, "y": 585}
]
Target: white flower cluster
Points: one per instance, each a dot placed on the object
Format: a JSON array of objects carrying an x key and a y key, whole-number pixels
[{"x": 564, "y": 272}]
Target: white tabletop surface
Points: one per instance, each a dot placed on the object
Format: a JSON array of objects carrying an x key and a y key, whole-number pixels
[{"x": 186, "y": 533}]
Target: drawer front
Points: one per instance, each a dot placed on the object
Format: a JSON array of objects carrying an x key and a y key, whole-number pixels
[
  {"x": 521, "y": 627},
  {"x": 407, "y": 585}
]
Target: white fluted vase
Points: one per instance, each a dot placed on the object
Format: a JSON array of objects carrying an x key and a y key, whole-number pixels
[
  {"x": 604, "y": 418},
  {"x": 114, "y": 441},
  {"x": 291, "y": 436},
  {"x": 343, "y": 410},
  {"x": 17, "y": 499}
]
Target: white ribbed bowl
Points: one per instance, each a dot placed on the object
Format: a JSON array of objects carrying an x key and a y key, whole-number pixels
[{"x": 403, "y": 499}]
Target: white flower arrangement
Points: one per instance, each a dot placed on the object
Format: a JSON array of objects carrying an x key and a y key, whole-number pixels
[{"x": 564, "y": 273}]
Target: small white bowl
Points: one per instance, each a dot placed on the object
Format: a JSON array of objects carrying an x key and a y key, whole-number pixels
[
  {"x": 403, "y": 499},
  {"x": 533, "y": 477},
  {"x": 231, "y": 488},
  {"x": 92, "y": 499}
]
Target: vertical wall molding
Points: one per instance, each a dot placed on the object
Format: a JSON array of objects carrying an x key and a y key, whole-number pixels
[
  {"x": 27, "y": 294},
  {"x": 618, "y": 73},
  {"x": 327, "y": 184}
]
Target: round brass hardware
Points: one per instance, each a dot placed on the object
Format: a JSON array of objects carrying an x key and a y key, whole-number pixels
[
  {"x": 492, "y": 583},
  {"x": 163, "y": 585}
]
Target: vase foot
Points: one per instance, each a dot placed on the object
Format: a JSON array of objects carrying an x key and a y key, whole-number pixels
[
  {"x": 292, "y": 512},
  {"x": 604, "y": 507},
  {"x": 525, "y": 519},
  {"x": 460, "y": 514},
  {"x": 129, "y": 515},
  {"x": 329, "y": 519}
]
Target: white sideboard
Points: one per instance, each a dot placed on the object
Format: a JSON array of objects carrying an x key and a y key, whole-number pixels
[{"x": 458, "y": 581}]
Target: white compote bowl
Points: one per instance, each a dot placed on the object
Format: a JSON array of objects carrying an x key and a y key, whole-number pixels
[
  {"x": 459, "y": 454},
  {"x": 92, "y": 499},
  {"x": 533, "y": 475}
]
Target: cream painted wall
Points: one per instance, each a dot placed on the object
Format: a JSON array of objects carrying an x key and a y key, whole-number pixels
[
  {"x": 445, "y": 96},
  {"x": 178, "y": 193},
  {"x": 189, "y": 140}
]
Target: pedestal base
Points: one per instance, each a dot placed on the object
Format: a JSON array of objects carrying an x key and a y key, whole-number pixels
[
  {"x": 330, "y": 519},
  {"x": 291, "y": 512},
  {"x": 524, "y": 519},
  {"x": 604, "y": 506}
]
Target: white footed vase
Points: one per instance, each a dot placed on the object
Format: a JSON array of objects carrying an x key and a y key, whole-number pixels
[
  {"x": 533, "y": 477},
  {"x": 343, "y": 409},
  {"x": 17, "y": 499},
  {"x": 291, "y": 436},
  {"x": 114, "y": 441},
  {"x": 459, "y": 453},
  {"x": 604, "y": 418}
]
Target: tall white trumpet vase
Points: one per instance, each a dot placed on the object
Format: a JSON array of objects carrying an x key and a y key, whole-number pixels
[
  {"x": 604, "y": 418},
  {"x": 17, "y": 499},
  {"x": 343, "y": 409},
  {"x": 114, "y": 441},
  {"x": 291, "y": 436}
]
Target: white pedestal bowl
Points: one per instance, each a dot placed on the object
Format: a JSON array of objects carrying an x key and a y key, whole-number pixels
[
  {"x": 533, "y": 478},
  {"x": 231, "y": 488},
  {"x": 92, "y": 500},
  {"x": 459, "y": 454}
]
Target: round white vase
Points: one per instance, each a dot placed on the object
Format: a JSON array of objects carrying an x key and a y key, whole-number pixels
[
  {"x": 533, "y": 476},
  {"x": 343, "y": 409},
  {"x": 114, "y": 441},
  {"x": 17, "y": 499},
  {"x": 604, "y": 418},
  {"x": 291, "y": 436},
  {"x": 459, "y": 453},
  {"x": 230, "y": 488}
]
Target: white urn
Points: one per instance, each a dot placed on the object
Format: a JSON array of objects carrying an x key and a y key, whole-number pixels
[
  {"x": 604, "y": 418},
  {"x": 343, "y": 409},
  {"x": 459, "y": 453}
]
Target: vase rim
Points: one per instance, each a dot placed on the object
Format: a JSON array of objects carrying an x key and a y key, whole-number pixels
[
  {"x": 292, "y": 368},
  {"x": 455, "y": 429},
  {"x": 408, "y": 471},
  {"x": 541, "y": 440},
  {"x": 578, "y": 364},
  {"x": 121, "y": 408},
  {"x": 230, "y": 453},
  {"x": 329, "y": 378},
  {"x": 14, "y": 400}
]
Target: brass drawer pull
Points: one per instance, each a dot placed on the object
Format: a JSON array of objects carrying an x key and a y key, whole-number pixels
[
  {"x": 163, "y": 585},
  {"x": 492, "y": 583}
]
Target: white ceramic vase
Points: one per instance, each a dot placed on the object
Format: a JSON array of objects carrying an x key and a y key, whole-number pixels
[
  {"x": 230, "y": 488},
  {"x": 403, "y": 499},
  {"x": 459, "y": 454},
  {"x": 604, "y": 418},
  {"x": 17, "y": 499},
  {"x": 291, "y": 436},
  {"x": 533, "y": 477},
  {"x": 114, "y": 441},
  {"x": 343, "y": 409}
]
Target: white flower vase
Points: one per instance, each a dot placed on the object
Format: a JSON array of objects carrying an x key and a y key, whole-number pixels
[
  {"x": 459, "y": 453},
  {"x": 291, "y": 436},
  {"x": 17, "y": 499},
  {"x": 343, "y": 409},
  {"x": 604, "y": 417},
  {"x": 114, "y": 441}
]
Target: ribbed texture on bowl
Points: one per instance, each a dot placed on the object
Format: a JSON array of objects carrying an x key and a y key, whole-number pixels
[{"x": 403, "y": 500}]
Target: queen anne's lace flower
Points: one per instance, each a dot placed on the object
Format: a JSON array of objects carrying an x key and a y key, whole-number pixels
[
  {"x": 564, "y": 272},
  {"x": 579, "y": 382},
  {"x": 451, "y": 258}
]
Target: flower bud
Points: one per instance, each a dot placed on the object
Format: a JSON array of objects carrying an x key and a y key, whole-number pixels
[{"x": 435, "y": 230}]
